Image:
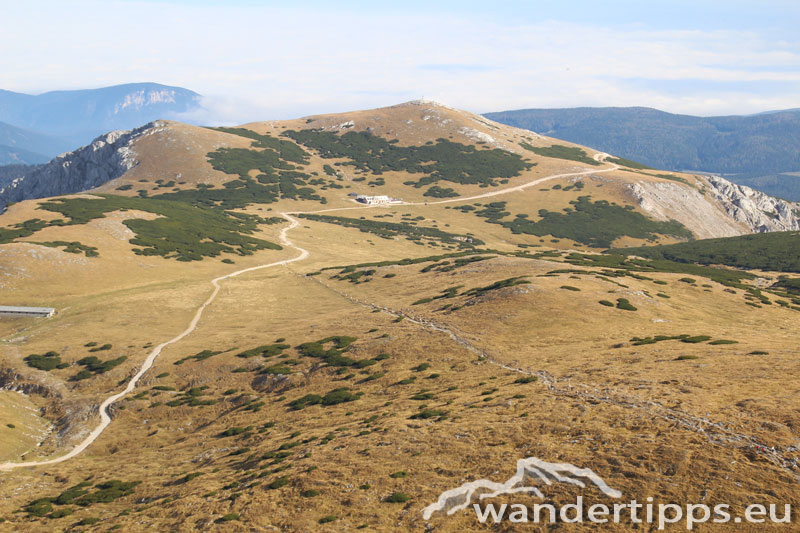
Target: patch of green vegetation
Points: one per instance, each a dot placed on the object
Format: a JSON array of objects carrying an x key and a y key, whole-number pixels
[
  {"x": 696, "y": 339},
  {"x": 356, "y": 276},
  {"x": 441, "y": 192},
  {"x": 639, "y": 341},
  {"x": 443, "y": 160},
  {"x": 615, "y": 265},
  {"x": 389, "y": 230},
  {"x": 192, "y": 398},
  {"x": 102, "y": 348},
  {"x": 200, "y": 356},
  {"x": 46, "y": 362},
  {"x": 775, "y": 251},
  {"x": 526, "y": 379},
  {"x": 22, "y": 229},
  {"x": 723, "y": 341},
  {"x": 670, "y": 177},
  {"x": 686, "y": 358},
  {"x": 234, "y": 431},
  {"x": 81, "y": 495},
  {"x": 267, "y": 350},
  {"x": 606, "y": 303},
  {"x": 790, "y": 285},
  {"x": 397, "y": 497},
  {"x": 183, "y": 231},
  {"x": 411, "y": 261},
  {"x": 286, "y": 150},
  {"x": 331, "y": 355},
  {"x": 333, "y": 397},
  {"x": 94, "y": 366},
  {"x": 448, "y": 266},
  {"x": 73, "y": 247},
  {"x": 596, "y": 224},
  {"x": 426, "y": 414},
  {"x": 502, "y": 284},
  {"x": 278, "y": 483},
  {"x": 621, "y": 161},
  {"x": 559, "y": 151},
  {"x": 327, "y": 519},
  {"x": 623, "y": 303},
  {"x": 570, "y": 288}
]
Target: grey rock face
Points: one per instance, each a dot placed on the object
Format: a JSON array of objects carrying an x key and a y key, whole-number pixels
[
  {"x": 106, "y": 158},
  {"x": 758, "y": 211}
]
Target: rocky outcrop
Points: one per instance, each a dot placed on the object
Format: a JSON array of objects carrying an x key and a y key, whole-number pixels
[
  {"x": 676, "y": 201},
  {"x": 106, "y": 158},
  {"x": 720, "y": 209},
  {"x": 757, "y": 211}
]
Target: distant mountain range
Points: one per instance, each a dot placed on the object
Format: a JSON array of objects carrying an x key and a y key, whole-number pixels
[
  {"x": 761, "y": 151},
  {"x": 35, "y": 128}
]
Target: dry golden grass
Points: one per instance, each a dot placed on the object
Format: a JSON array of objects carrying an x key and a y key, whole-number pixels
[{"x": 647, "y": 423}]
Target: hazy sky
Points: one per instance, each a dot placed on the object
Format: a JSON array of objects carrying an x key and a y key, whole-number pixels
[{"x": 260, "y": 59}]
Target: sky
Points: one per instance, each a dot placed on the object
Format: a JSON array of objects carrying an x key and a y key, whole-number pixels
[{"x": 258, "y": 60}]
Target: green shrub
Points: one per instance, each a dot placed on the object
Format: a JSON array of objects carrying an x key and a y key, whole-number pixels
[
  {"x": 696, "y": 339},
  {"x": 311, "y": 493},
  {"x": 439, "y": 192},
  {"x": 46, "y": 362},
  {"x": 570, "y": 288},
  {"x": 228, "y": 517},
  {"x": 623, "y": 303},
  {"x": 723, "y": 341},
  {"x": 278, "y": 483},
  {"x": 526, "y": 379},
  {"x": 398, "y": 475},
  {"x": 327, "y": 519},
  {"x": 61, "y": 513},
  {"x": 686, "y": 358},
  {"x": 426, "y": 414},
  {"x": 397, "y": 497},
  {"x": 606, "y": 303}
]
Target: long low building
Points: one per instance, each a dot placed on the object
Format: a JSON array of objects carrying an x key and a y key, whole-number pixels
[
  {"x": 377, "y": 200},
  {"x": 37, "y": 312}
]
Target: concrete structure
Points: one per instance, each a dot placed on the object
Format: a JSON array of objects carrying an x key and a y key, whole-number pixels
[
  {"x": 377, "y": 200},
  {"x": 36, "y": 312}
]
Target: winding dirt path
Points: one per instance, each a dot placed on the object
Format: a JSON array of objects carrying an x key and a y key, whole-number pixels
[{"x": 105, "y": 416}]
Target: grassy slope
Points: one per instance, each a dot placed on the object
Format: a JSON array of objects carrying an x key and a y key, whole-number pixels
[{"x": 133, "y": 301}]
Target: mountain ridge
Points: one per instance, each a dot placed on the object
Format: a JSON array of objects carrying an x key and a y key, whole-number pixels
[
  {"x": 76, "y": 117},
  {"x": 762, "y": 145}
]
